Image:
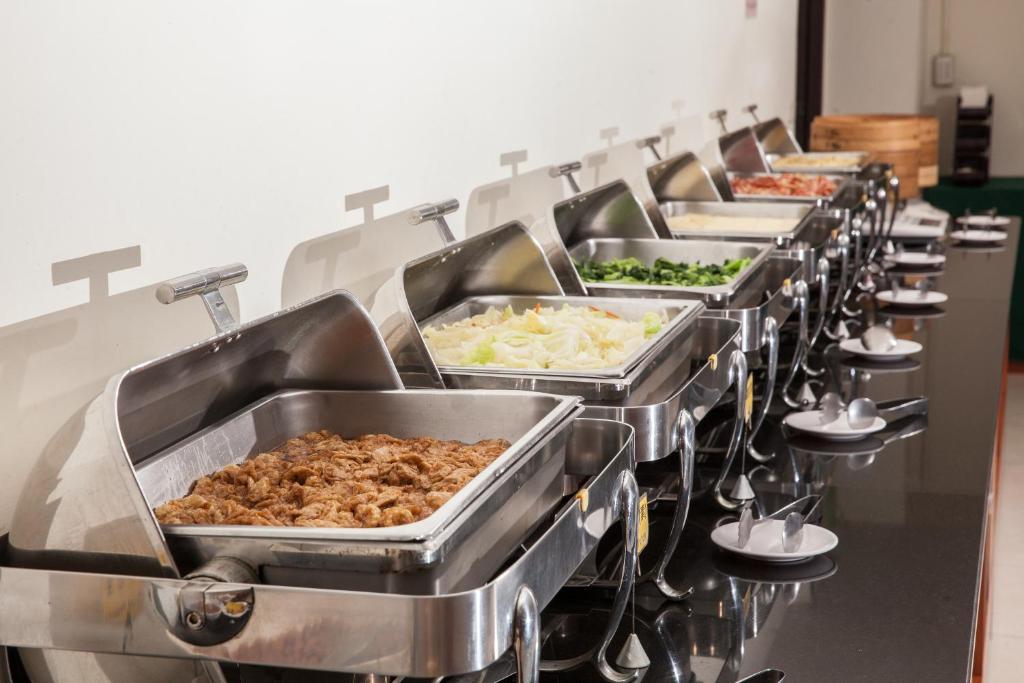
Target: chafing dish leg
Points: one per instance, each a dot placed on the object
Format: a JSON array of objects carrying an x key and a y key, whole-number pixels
[
  {"x": 526, "y": 636},
  {"x": 687, "y": 452},
  {"x": 801, "y": 296},
  {"x": 738, "y": 376},
  {"x": 822, "y": 303},
  {"x": 628, "y": 502},
  {"x": 844, "y": 268},
  {"x": 823, "y": 282},
  {"x": 771, "y": 340}
]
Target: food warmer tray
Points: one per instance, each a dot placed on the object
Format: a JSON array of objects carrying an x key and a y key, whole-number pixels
[
  {"x": 801, "y": 214},
  {"x": 648, "y": 250},
  {"x": 642, "y": 362},
  {"x": 858, "y": 162},
  {"x": 824, "y": 202},
  {"x": 86, "y": 552},
  {"x": 124, "y": 619}
]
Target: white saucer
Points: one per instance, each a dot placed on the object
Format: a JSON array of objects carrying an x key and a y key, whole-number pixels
[
  {"x": 903, "y": 348},
  {"x": 978, "y": 235},
  {"x": 765, "y": 543},
  {"x": 916, "y": 231},
  {"x": 809, "y": 422},
  {"x": 984, "y": 221},
  {"x": 915, "y": 258},
  {"x": 911, "y": 298}
]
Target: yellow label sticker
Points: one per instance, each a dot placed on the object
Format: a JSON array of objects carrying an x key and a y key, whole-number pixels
[
  {"x": 713, "y": 361},
  {"x": 642, "y": 524},
  {"x": 748, "y": 403}
]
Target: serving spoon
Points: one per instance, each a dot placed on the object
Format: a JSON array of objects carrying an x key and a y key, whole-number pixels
[
  {"x": 861, "y": 413},
  {"x": 878, "y": 338}
]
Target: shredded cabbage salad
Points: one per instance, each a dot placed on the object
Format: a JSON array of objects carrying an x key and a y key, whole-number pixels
[{"x": 541, "y": 338}]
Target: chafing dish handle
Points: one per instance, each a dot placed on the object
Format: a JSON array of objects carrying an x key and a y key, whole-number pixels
[
  {"x": 738, "y": 377},
  {"x": 206, "y": 284},
  {"x": 686, "y": 427},
  {"x": 436, "y": 213},
  {"x": 823, "y": 282},
  {"x": 628, "y": 501},
  {"x": 650, "y": 143},
  {"x": 566, "y": 170},
  {"x": 770, "y": 338},
  {"x": 719, "y": 115}
]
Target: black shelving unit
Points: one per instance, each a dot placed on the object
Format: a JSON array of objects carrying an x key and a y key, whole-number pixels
[{"x": 973, "y": 141}]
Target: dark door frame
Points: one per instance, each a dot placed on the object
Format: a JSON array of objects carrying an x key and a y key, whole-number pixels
[{"x": 810, "y": 56}]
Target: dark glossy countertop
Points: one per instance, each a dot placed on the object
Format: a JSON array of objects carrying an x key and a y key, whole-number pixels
[{"x": 897, "y": 600}]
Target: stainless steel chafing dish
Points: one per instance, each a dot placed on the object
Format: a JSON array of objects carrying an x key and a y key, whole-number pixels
[
  {"x": 856, "y": 164},
  {"x": 87, "y": 568},
  {"x": 821, "y": 201},
  {"x": 507, "y": 262},
  {"x": 595, "y": 384},
  {"x": 459, "y": 546}
]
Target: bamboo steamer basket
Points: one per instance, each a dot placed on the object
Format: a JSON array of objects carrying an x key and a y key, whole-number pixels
[
  {"x": 928, "y": 162},
  {"x": 908, "y": 142}
]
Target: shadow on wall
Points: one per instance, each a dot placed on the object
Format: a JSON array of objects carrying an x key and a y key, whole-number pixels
[
  {"x": 361, "y": 258},
  {"x": 51, "y": 366},
  {"x": 520, "y": 198}
]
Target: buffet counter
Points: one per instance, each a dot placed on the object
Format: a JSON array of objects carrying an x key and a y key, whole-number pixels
[{"x": 899, "y": 598}]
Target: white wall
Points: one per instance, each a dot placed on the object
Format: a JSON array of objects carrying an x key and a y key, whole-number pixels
[
  {"x": 872, "y": 56},
  {"x": 878, "y": 59},
  {"x": 155, "y": 138}
]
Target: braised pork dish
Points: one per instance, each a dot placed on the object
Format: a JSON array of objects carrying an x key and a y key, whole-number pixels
[{"x": 321, "y": 479}]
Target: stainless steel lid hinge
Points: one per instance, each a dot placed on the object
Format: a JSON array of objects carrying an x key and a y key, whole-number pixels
[
  {"x": 719, "y": 115},
  {"x": 650, "y": 143},
  {"x": 206, "y": 284},
  {"x": 566, "y": 170},
  {"x": 436, "y": 213}
]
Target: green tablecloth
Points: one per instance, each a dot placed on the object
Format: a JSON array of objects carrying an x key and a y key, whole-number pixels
[{"x": 1007, "y": 195}]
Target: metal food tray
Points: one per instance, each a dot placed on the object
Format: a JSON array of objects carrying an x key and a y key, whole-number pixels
[
  {"x": 461, "y": 544},
  {"x": 798, "y": 213},
  {"x": 840, "y": 180},
  {"x": 859, "y": 160},
  {"x": 133, "y": 614},
  {"x": 688, "y": 251},
  {"x": 601, "y": 384}
]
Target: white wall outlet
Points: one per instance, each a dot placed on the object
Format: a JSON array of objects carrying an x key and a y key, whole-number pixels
[{"x": 943, "y": 70}]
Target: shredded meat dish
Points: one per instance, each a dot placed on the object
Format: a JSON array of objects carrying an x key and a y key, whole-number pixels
[
  {"x": 322, "y": 479},
  {"x": 785, "y": 184}
]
